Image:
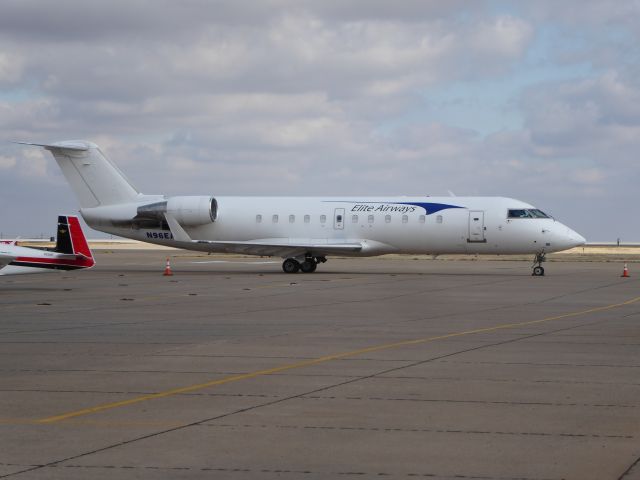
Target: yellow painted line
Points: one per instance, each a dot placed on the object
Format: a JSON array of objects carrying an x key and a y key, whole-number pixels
[
  {"x": 18, "y": 421},
  {"x": 94, "y": 423},
  {"x": 316, "y": 361}
]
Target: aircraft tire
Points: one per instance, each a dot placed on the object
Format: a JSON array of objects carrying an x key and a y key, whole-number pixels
[
  {"x": 538, "y": 271},
  {"x": 308, "y": 266},
  {"x": 290, "y": 265}
]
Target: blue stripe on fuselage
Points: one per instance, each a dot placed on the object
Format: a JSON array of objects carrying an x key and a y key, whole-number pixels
[{"x": 430, "y": 208}]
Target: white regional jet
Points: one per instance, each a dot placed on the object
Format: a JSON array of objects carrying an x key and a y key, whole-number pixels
[
  {"x": 70, "y": 253},
  {"x": 305, "y": 230}
]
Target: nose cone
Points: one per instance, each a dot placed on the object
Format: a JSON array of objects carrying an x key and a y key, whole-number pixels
[
  {"x": 576, "y": 238},
  {"x": 566, "y": 238}
]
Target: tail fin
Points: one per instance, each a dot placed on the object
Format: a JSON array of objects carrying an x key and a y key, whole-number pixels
[
  {"x": 93, "y": 177},
  {"x": 71, "y": 240}
]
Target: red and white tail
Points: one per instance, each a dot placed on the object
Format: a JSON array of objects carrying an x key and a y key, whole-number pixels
[
  {"x": 71, "y": 241},
  {"x": 70, "y": 253}
]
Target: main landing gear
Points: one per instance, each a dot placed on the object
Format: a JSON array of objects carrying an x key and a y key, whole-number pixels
[
  {"x": 538, "y": 271},
  {"x": 308, "y": 265}
]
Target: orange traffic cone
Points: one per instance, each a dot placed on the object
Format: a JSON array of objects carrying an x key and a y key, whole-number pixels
[
  {"x": 625, "y": 271},
  {"x": 167, "y": 269}
]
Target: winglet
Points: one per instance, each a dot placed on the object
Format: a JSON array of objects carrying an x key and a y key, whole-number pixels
[{"x": 177, "y": 231}]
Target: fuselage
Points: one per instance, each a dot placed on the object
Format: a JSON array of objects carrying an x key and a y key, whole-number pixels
[
  {"x": 416, "y": 225},
  {"x": 34, "y": 260}
]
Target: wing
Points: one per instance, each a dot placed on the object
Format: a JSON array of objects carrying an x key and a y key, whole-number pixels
[
  {"x": 6, "y": 259},
  {"x": 273, "y": 247},
  {"x": 282, "y": 247}
]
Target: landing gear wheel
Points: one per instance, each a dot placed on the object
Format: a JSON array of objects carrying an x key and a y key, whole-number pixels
[
  {"x": 308, "y": 266},
  {"x": 538, "y": 271},
  {"x": 290, "y": 265}
]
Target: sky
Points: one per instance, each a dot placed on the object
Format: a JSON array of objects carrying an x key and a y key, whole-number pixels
[{"x": 539, "y": 101}]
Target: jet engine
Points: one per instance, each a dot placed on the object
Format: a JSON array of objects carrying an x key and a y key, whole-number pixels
[{"x": 189, "y": 211}]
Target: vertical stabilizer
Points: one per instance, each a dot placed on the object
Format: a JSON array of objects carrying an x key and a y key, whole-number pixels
[
  {"x": 71, "y": 240},
  {"x": 63, "y": 236},
  {"x": 93, "y": 177}
]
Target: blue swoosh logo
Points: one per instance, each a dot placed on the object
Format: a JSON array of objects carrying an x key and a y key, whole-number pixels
[{"x": 430, "y": 208}]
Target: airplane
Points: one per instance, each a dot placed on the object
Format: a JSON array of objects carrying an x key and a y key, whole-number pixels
[
  {"x": 70, "y": 253},
  {"x": 304, "y": 231}
]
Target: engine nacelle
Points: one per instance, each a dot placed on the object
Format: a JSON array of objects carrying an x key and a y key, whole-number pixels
[{"x": 191, "y": 211}]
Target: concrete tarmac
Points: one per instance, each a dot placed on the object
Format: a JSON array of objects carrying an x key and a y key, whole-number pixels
[{"x": 368, "y": 368}]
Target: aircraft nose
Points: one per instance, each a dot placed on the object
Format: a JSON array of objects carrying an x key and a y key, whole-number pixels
[
  {"x": 570, "y": 238},
  {"x": 577, "y": 238}
]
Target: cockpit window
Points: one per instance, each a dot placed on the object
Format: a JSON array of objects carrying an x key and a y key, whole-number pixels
[
  {"x": 526, "y": 213},
  {"x": 538, "y": 213}
]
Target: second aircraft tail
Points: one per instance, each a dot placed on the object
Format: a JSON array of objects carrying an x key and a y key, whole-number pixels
[{"x": 70, "y": 238}]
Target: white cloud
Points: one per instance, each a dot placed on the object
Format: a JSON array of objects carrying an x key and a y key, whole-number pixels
[
  {"x": 11, "y": 66},
  {"x": 7, "y": 162},
  {"x": 504, "y": 35},
  {"x": 597, "y": 118},
  {"x": 590, "y": 176},
  {"x": 34, "y": 164}
]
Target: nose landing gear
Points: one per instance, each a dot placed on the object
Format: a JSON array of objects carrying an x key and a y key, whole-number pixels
[{"x": 538, "y": 271}]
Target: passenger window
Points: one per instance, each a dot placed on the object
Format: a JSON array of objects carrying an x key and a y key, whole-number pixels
[
  {"x": 421, "y": 218},
  {"x": 292, "y": 218},
  {"x": 307, "y": 219},
  {"x": 339, "y": 218},
  {"x": 405, "y": 218},
  {"x": 275, "y": 219},
  {"x": 258, "y": 218},
  {"x": 439, "y": 219},
  {"x": 354, "y": 219},
  {"x": 323, "y": 218},
  {"x": 387, "y": 218},
  {"x": 370, "y": 219}
]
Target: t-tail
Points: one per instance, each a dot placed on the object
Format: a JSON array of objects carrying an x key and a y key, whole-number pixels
[
  {"x": 95, "y": 180},
  {"x": 110, "y": 203}
]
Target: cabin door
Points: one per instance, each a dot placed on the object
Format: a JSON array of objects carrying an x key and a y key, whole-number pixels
[
  {"x": 338, "y": 219},
  {"x": 476, "y": 226}
]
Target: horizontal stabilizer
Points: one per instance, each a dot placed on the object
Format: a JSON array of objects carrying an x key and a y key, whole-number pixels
[
  {"x": 75, "y": 146},
  {"x": 6, "y": 259},
  {"x": 72, "y": 256}
]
